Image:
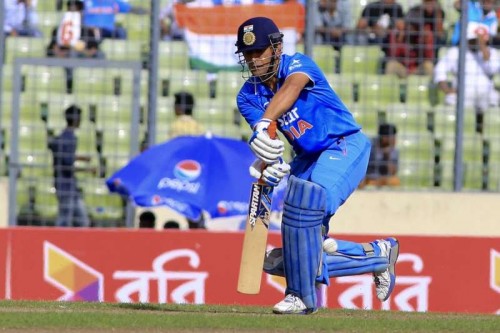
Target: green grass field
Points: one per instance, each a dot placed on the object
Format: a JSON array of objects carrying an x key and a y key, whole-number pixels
[{"x": 23, "y": 316}]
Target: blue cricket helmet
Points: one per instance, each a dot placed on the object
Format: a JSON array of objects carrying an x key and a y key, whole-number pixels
[{"x": 257, "y": 33}]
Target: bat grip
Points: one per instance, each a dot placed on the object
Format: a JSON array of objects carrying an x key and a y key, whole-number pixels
[{"x": 271, "y": 130}]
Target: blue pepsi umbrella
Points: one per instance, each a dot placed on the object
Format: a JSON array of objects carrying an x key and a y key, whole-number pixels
[{"x": 190, "y": 174}]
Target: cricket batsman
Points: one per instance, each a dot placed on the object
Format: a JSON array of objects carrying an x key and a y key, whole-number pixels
[{"x": 331, "y": 158}]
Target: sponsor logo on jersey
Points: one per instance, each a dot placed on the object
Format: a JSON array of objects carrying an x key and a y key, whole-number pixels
[
  {"x": 294, "y": 64},
  {"x": 293, "y": 126}
]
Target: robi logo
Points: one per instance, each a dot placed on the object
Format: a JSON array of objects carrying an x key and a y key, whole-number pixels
[{"x": 187, "y": 170}]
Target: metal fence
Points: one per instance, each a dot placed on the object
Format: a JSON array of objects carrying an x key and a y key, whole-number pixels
[{"x": 427, "y": 127}]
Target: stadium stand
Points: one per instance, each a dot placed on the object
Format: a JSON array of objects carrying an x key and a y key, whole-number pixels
[{"x": 426, "y": 128}]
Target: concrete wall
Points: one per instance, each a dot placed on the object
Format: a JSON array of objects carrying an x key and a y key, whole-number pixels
[
  {"x": 378, "y": 212},
  {"x": 4, "y": 213},
  {"x": 419, "y": 213}
]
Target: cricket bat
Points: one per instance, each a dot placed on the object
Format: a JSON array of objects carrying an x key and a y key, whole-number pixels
[{"x": 255, "y": 239}]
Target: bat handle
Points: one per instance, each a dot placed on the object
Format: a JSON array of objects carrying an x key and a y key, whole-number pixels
[{"x": 271, "y": 130}]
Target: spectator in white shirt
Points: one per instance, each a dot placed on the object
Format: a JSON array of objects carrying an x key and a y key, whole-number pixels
[
  {"x": 21, "y": 18},
  {"x": 482, "y": 62}
]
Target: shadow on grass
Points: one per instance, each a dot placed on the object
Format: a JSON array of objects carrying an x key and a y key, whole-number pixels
[{"x": 190, "y": 308}]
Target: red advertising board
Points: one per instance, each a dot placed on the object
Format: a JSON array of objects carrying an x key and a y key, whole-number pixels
[
  {"x": 3, "y": 264},
  {"x": 441, "y": 274}
]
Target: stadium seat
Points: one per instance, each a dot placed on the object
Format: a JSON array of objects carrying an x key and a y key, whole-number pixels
[
  {"x": 225, "y": 130},
  {"x": 116, "y": 49},
  {"x": 46, "y": 200},
  {"x": 326, "y": 58},
  {"x": 32, "y": 138},
  {"x": 472, "y": 155},
  {"x": 116, "y": 140},
  {"x": 34, "y": 164},
  {"x": 48, "y": 20},
  {"x": 209, "y": 110},
  {"x": 45, "y": 78},
  {"x": 193, "y": 81},
  {"x": 415, "y": 174},
  {"x": 174, "y": 55},
  {"x": 102, "y": 205},
  {"x": 229, "y": 84},
  {"x": 492, "y": 123},
  {"x": 417, "y": 90},
  {"x": 103, "y": 81},
  {"x": 342, "y": 85},
  {"x": 366, "y": 118},
  {"x": 215, "y": 115},
  {"x": 137, "y": 26},
  {"x": 360, "y": 59},
  {"x": 117, "y": 162},
  {"x": 408, "y": 118},
  {"x": 379, "y": 90},
  {"x": 55, "y": 104},
  {"x": 24, "y": 47}
]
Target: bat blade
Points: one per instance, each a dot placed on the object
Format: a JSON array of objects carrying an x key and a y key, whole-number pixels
[{"x": 255, "y": 240}]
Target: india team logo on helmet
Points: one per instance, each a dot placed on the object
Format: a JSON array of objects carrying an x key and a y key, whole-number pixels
[
  {"x": 248, "y": 36},
  {"x": 187, "y": 170}
]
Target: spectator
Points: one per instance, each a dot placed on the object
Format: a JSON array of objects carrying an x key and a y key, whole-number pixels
[
  {"x": 147, "y": 219},
  {"x": 184, "y": 124},
  {"x": 378, "y": 19},
  {"x": 168, "y": 24},
  {"x": 481, "y": 11},
  {"x": 384, "y": 158},
  {"x": 101, "y": 14},
  {"x": 71, "y": 207},
  {"x": 496, "y": 38},
  {"x": 71, "y": 39},
  {"x": 198, "y": 223},
  {"x": 333, "y": 21},
  {"x": 424, "y": 34},
  {"x": 482, "y": 62},
  {"x": 21, "y": 18},
  {"x": 171, "y": 224}
]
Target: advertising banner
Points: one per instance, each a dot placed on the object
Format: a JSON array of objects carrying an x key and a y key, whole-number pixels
[
  {"x": 4, "y": 269},
  {"x": 437, "y": 274}
]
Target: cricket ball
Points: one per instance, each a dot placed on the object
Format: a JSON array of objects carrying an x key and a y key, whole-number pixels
[{"x": 330, "y": 246}]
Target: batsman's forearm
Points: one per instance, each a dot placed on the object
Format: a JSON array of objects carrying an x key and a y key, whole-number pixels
[
  {"x": 286, "y": 96},
  {"x": 279, "y": 105}
]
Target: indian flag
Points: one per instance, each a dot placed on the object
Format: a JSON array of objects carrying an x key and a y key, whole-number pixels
[{"x": 210, "y": 32}]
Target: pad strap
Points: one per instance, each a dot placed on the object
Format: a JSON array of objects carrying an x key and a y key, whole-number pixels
[
  {"x": 368, "y": 248},
  {"x": 337, "y": 264}
]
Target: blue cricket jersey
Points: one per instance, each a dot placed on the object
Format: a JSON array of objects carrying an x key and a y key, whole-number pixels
[
  {"x": 102, "y": 13},
  {"x": 475, "y": 14},
  {"x": 315, "y": 121}
]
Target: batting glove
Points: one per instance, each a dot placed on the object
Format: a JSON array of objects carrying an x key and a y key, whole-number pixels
[
  {"x": 271, "y": 174},
  {"x": 267, "y": 149}
]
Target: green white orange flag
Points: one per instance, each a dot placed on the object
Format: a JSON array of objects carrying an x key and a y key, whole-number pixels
[{"x": 210, "y": 32}]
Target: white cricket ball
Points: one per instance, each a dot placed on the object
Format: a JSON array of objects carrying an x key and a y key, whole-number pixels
[{"x": 330, "y": 246}]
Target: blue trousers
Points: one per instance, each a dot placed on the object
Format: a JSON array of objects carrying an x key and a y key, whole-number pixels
[
  {"x": 71, "y": 210},
  {"x": 339, "y": 169}
]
